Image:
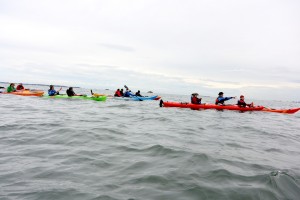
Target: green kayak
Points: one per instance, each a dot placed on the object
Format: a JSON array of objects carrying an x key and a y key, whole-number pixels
[{"x": 64, "y": 96}]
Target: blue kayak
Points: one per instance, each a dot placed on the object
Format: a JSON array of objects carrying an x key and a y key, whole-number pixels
[{"x": 136, "y": 98}]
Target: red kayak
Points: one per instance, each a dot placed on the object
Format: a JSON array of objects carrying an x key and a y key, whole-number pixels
[
  {"x": 157, "y": 98},
  {"x": 227, "y": 107},
  {"x": 284, "y": 111},
  {"x": 211, "y": 106}
]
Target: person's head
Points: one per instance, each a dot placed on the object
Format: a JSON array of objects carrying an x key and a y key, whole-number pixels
[
  {"x": 221, "y": 93},
  {"x": 12, "y": 85},
  {"x": 51, "y": 87},
  {"x": 242, "y": 97},
  {"x": 118, "y": 89},
  {"x": 70, "y": 88},
  {"x": 195, "y": 94}
]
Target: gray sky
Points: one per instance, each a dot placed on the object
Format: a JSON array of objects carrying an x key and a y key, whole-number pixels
[{"x": 205, "y": 46}]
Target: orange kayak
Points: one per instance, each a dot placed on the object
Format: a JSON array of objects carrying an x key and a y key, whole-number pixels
[{"x": 37, "y": 93}]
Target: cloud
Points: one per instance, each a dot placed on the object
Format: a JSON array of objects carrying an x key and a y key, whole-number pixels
[
  {"x": 175, "y": 47},
  {"x": 117, "y": 47}
]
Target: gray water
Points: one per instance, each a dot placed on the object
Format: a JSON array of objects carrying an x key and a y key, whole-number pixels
[{"x": 80, "y": 149}]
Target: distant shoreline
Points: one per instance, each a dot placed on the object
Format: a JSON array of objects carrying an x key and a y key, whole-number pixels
[{"x": 38, "y": 84}]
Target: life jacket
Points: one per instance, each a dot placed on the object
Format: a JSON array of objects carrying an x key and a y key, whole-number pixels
[
  {"x": 52, "y": 92},
  {"x": 70, "y": 93},
  {"x": 20, "y": 87},
  {"x": 117, "y": 93},
  {"x": 194, "y": 100},
  {"x": 218, "y": 101},
  {"x": 241, "y": 103}
]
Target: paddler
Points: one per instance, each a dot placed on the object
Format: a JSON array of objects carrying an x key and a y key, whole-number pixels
[
  {"x": 195, "y": 99},
  {"x": 70, "y": 92},
  {"x": 138, "y": 93},
  {"x": 2, "y": 89},
  {"x": 20, "y": 87},
  {"x": 242, "y": 102},
  {"x": 221, "y": 100},
  {"x": 122, "y": 92},
  {"x": 11, "y": 88},
  {"x": 52, "y": 92},
  {"x": 118, "y": 93},
  {"x": 128, "y": 93}
]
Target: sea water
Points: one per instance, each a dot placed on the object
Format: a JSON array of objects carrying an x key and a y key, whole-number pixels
[{"x": 82, "y": 149}]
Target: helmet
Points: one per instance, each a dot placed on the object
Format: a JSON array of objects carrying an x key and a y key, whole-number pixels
[
  {"x": 242, "y": 96},
  {"x": 220, "y": 93}
]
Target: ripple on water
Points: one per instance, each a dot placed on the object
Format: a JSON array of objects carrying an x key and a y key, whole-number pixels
[{"x": 57, "y": 149}]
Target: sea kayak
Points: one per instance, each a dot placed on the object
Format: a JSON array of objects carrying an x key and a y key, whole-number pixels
[
  {"x": 37, "y": 93},
  {"x": 136, "y": 98},
  {"x": 284, "y": 111},
  {"x": 210, "y": 106},
  {"x": 64, "y": 96}
]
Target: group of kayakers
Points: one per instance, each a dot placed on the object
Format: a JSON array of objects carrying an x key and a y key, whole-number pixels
[
  {"x": 70, "y": 92},
  {"x": 220, "y": 100},
  {"x": 127, "y": 93},
  {"x": 11, "y": 88}
]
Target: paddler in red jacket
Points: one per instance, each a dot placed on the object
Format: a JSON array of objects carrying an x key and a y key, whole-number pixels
[
  {"x": 118, "y": 93},
  {"x": 242, "y": 102},
  {"x": 20, "y": 87},
  {"x": 195, "y": 99}
]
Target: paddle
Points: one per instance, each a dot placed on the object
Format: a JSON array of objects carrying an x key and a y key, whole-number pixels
[{"x": 138, "y": 98}]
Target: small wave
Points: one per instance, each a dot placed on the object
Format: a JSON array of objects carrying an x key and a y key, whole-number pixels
[{"x": 284, "y": 184}]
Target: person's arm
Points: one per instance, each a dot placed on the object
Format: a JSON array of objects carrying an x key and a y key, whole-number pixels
[
  {"x": 57, "y": 92},
  {"x": 228, "y": 98},
  {"x": 199, "y": 100}
]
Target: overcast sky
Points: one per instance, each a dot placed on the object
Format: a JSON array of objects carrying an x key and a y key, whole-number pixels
[{"x": 249, "y": 47}]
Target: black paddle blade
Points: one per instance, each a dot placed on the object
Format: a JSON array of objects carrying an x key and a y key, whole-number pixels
[
  {"x": 161, "y": 103},
  {"x": 92, "y": 92}
]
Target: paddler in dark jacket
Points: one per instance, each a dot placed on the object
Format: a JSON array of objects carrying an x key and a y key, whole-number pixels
[
  {"x": 195, "y": 99},
  {"x": 221, "y": 99},
  {"x": 138, "y": 94},
  {"x": 121, "y": 92},
  {"x": 70, "y": 92},
  {"x": 242, "y": 102}
]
